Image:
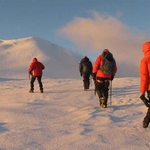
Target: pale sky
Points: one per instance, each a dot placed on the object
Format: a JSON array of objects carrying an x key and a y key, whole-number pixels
[{"x": 83, "y": 26}]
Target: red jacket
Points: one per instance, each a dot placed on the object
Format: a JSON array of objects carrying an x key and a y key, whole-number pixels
[
  {"x": 145, "y": 69},
  {"x": 36, "y": 67},
  {"x": 98, "y": 72}
]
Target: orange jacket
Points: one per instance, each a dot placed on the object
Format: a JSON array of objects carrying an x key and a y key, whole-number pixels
[
  {"x": 98, "y": 72},
  {"x": 36, "y": 67},
  {"x": 145, "y": 69}
]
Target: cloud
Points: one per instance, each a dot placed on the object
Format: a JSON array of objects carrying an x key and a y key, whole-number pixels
[{"x": 105, "y": 31}]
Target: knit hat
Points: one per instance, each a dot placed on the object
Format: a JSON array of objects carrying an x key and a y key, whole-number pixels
[
  {"x": 105, "y": 50},
  {"x": 34, "y": 60}
]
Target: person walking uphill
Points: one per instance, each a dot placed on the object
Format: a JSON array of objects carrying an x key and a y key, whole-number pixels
[
  {"x": 145, "y": 81},
  {"x": 104, "y": 70},
  {"x": 35, "y": 70},
  {"x": 85, "y": 69}
]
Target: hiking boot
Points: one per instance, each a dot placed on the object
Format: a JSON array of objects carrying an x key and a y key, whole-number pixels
[
  {"x": 103, "y": 102},
  {"x": 85, "y": 89},
  {"x": 103, "y": 105},
  {"x": 88, "y": 86},
  {"x": 145, "y": 122},
  {"x": 31, "y": 91},
  {"x": 41, "y": 91}
]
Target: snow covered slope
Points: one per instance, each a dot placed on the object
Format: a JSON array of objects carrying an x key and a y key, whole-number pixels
[{"x": 17, "y": 54}]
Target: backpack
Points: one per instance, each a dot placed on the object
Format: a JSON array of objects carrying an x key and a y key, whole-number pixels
[
  {"x": 86, "y": 68},
  {"x": 108, "y": 63}
]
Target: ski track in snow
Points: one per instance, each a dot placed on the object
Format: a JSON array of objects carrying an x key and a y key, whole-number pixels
[{"x": 65, "y": 117}]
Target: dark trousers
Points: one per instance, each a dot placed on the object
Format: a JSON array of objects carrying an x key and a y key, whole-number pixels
[
  {"x": 86, "y": 81},
  {"x": 147, "y": 117},
  {"x": 102, "y": 88},
  {"x": 39, "y": 81}
]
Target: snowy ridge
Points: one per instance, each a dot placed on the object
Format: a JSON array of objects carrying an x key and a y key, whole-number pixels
[{"x": 16, "y": 55}]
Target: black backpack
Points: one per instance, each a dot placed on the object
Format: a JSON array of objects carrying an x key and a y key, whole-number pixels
[
  {"x": 86, "y": 67},
  {"x": 108, "y": 63}
]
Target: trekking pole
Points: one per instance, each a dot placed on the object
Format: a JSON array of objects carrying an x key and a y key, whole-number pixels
[
  {"x": 90, "y": 79},
  {"x": 95, "y": 87},
  {"x": 110, "y": 92}
]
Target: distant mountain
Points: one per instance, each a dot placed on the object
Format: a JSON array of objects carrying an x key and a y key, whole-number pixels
[{"x": 16, "y": 56}]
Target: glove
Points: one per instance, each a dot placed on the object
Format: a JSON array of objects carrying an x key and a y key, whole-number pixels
[
  {"x": 146, "y": 101},
  {"x": 148, "y": 95},
  {"x": 30, "y": 73},
  {"x": 81, "y": 74},
  {"x": 112, "y": 77},
  {"x": 94, "y": 76}
]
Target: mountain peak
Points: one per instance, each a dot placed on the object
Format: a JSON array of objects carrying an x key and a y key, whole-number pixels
[{"x": 16, "y": 56}]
